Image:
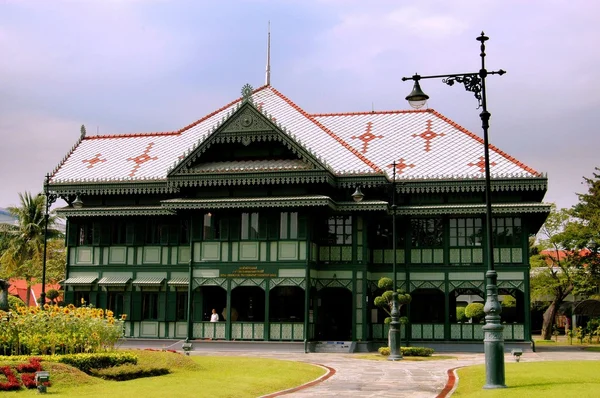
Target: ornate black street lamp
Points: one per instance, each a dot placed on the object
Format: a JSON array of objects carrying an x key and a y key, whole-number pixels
[
  {"x": 493, "y": 340},
  {"x": 50, "y": 198},
  {"x": 394, "y": 331}
]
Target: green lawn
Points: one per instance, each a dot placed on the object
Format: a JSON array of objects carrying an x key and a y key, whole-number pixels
[
  {"x": 195, "y": 376},
  {"x": 535, "y": 379}
]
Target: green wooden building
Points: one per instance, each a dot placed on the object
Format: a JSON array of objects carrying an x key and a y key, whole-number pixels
[{"x": 249, "y": 211}]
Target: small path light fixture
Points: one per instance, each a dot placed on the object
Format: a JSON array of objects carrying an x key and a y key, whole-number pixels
[
  {"x": 493, "y": 340},
  {"x": 41, "y": 378},
  {"x": 187, "y": 347}
]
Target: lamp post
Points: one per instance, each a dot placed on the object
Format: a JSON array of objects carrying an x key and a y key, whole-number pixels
[
  {"x": 394, "y": 331},
  {"x": 50, "y": 198},
  {"x": 493, "y": 340}
]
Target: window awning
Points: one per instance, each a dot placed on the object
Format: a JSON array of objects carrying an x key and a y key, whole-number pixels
[
  {"x": 80, "y": 280},
  {"x": 114, "y": 281},
  {"x": 148, "y": 281},
  {"x": 178, "y": 282}
]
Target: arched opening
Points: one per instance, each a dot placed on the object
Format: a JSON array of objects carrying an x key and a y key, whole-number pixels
[
  {"x": 459, "y": 299},
  {"x": 427, "y": 306},
  {"x": 286, "y": 304},
  {"x": 427, "y": 313},
  {"x": 513, "y": 305},
  {"x": 247, "y": 304},
  {"x": 335, "y": 314},
  {"x": 286, "y": 313},
  {"x": 213, "y": 297}
]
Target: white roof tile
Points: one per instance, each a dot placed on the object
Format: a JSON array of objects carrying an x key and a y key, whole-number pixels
[{"x": 430, "y": 145}]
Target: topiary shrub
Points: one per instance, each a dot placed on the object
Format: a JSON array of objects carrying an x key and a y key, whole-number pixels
[
  {"x": 409, "y": 351},
  {"x": 460, "y": 314},
  {"x": 14, "y": 302},
  {"x": 87, "y": 362},
  {"x": 129, "y": 372},
  {"x": 52, "y": 295},
  {"x": 474, "y": 311}
]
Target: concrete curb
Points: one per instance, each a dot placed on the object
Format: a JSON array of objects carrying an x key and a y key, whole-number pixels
[{"x": 330, "y": 372}]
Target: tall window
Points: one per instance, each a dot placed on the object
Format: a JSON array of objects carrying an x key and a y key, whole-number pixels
[
  {"x": 81, "y": 298},
  {"x": 427, "y": 232},
  {"x": 507, "y": 231},
  {"x": 381, "y": 234},
  {"x": 149, "y": 306},
  {"x": 466, "y": 232},
  {"x": 211, "y": 228},
  {"x": 153, "y": 231},
  {"x": 114, "y": 302},
  {"x": 250, "y": 226},
  {"x": 86, "y": 234},
  {"x": 184, "y": 231},
  {"x": 118, "y": 232},
  {"x": 340, "y": 230},
  {"x": 181, "y": 306},
  {"x": 288, "y": 225}
]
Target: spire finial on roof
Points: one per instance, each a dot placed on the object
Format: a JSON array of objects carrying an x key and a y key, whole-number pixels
[
  {"x": 247, "y": 92},
  {"x": 268, "y": 71}
]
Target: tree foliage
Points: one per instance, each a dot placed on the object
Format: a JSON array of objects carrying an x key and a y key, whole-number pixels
[
  {"x": 474, "y": 311},
  {"x": 23, "y": 245},
  {"x": 567, "y": 259}
]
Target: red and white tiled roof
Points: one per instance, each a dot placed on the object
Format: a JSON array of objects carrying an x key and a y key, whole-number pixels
[{"x": 424, "y": 144}]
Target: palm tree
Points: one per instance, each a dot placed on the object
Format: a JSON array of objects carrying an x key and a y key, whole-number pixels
[{"x": 22, "y": 257}]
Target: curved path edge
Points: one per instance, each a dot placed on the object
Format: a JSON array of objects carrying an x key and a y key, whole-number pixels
[
  {"x": 330, "y": 372},
  {"x": 451, "y": 384}
]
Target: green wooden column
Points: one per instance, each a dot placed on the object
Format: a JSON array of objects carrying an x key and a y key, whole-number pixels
[
  {"x": 526, "y": 306},
  {"x": 190, "y": 325},
  {"x": 366, "y": 312},
  {"x": 354, "y": 307},
  {"x": 447, "y": 304},
  {"x": 267, "y": 333},
  {"x": 228, "y": 320}
]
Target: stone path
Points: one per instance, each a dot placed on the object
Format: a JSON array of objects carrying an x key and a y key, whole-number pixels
[{"x": 369, "y": 378}]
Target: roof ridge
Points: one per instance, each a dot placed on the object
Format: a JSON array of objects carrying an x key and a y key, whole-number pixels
[
  {"x": 177, "y": 132},
  {"x": 329, "y": 132},
  {"x": 492, "y": 147},
  {"x": 360, "y": 113}
]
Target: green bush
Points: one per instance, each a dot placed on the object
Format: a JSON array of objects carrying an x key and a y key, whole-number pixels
[
  {"x": 14, "y": 302},
  {"x": 129, "y": 372},
  {"x": 460, "y": 314},
  {"x": 87, "y": 362},
  {"x": 474, "y": 311},
  {"x": 409, "y": 351}
]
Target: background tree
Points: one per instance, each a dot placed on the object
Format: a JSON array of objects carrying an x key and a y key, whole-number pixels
[
  {"x": 52, "y": 295},
  {"x": 385, "y": 300},
  {"x": 22, "y": 256},
  {"x": 563, "y": 262}
]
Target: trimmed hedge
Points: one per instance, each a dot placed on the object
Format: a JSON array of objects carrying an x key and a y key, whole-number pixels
[
  {"x": 87, "y": 362},
  {"x": 409, "y": 351},
  {"x": 128, "y": 372}
]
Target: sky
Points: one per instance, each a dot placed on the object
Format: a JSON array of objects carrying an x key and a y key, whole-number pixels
[{"x": 127, "y": 66}]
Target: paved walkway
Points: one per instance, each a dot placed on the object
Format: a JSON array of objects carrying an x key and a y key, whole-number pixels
[{"x": 356, "y": 377}]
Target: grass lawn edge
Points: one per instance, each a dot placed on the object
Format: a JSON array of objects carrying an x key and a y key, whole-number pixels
[{"x": 329, "y": 372}]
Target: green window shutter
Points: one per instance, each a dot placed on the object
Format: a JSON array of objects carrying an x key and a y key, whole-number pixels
[
  {"x": 126, "y": 304},
  {"x": 263, "y": 222},
  {"x": 94, "y": 299},
  {"x": 164, "y": 234},
  {"x": 273, "y": 226},
  {"x": 171, "y": 306},
  {"x": 302, "y": 227},
  {"x": 174, "y": 234},
  {"x": 197, "y": 227},
  {"x": 224, "y": 228},
  {"x": 234, "y": 228},
  {"x": 139, "y": 235},
  {"x": 130, "y": 233},
  {"x": 136, "y": 306},
  {"x": 102, "y": 299},
  {"x": 69, "y": 297},
  {"x": 162, "y": 301},
  {"x": 72, "y": 232},
  {"x": 96, "y": 231},
  {"x": 197, "y": 306}
]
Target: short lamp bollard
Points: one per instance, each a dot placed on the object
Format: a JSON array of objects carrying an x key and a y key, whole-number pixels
[
  {"x": 517, "y": 352},
  {"x": 187, "y": 347},
  {"x": 40, "y": 379}
]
